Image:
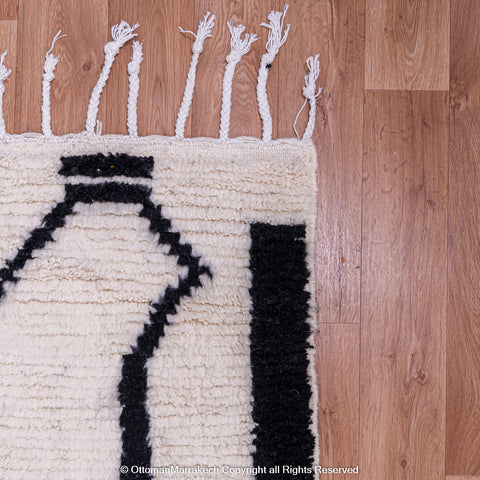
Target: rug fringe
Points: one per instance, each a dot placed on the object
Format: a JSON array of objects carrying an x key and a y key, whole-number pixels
[
  {"x": 275, "y": 40},
  {"x": 204, "y": 31},
  {"x": 133, "y": 87},
  {"x": 4, "y": 74},
  {"x": 313, "y": 65},
  {"x": 123, "y": 32},
  {"x": 238, "y": 48},
  {"x": 48, "y": 75}
]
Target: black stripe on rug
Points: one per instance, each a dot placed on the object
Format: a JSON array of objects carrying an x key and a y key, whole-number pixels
[
  {"x": 77, "y": 193},
  {"x": 134, "y": 420},
  {"x": 279, "y": 351},
  {"x": 111, "y": 165},
  {"x": 35, "y": 241},
  {"x": 106, "y": 192},
  {"x": 132, "y": 389}
]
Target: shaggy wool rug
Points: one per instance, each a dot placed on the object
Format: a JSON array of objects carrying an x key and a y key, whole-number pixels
[
  {"x": 157, "y": 294},
  {"x": 156, "y": 306}
]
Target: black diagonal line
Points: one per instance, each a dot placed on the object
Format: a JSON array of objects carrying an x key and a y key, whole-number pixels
[
  {"x": 35, "y": 241},
  {"x": 83, "y": 193},
  {"x": 134, "y": 419}
]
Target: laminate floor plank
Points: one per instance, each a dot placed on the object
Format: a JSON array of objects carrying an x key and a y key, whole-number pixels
[
  {"x": 164, "y": 68},
  {"x": 10, "y": 10},
  {"x": 407, "y": 44},
  {"x": 402, "y": 368},
  {"x": 8, "y": 42},
  {"x": 80, "y": 64},
  {"x": 337, "y": 35},
  {"x": 463, "y": 328},
  {"x": 338, "y": 362}
]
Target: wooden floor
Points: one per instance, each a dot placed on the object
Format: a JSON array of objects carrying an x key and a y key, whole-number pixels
[{"x": 398, "y": 138}]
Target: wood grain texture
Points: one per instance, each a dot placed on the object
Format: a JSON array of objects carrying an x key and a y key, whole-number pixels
[
  {"x": 244, "y": 119},
  {"x": 10, "y": 10},
  {"x": 81, "y": 60},
  {"x": 402, "y": 399},
  {"x": 337, "y": 35},
  {"x": 407, "y": 44},
  {"x": 381, "y": 282},
  {"x": 338, "y": 362},
  {"x": 8, "y": 41},
  {"x": 462, "y": 477},
  {"x": 463, "y": 330},
  {"x": 163, "y": 70}
]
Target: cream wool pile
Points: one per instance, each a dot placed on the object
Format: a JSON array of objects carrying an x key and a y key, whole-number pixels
[{"x": 157, "y": 294}]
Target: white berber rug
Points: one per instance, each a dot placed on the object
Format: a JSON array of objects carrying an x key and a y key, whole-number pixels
[{"x": 157, "y": 298}]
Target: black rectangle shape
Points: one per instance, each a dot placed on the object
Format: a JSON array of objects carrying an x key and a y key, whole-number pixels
[
  {"x": 279, "y": 352},
  {"x": 106, "y": 192},
  {"x": 111, "y": 165}
]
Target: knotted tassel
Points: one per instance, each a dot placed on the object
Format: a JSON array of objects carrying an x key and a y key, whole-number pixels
[
  {"x": 204, "y": 31},
  {"x": 48, "y": 75},
  {"x": 313, "y": 65},
  {"x": 275, "y": 40},
  {"x": 4, "y": 74},
  {"x": 133, "y": 87},
  {"x": 121, "y": 34},
  {"x": 238, "y": 48}
]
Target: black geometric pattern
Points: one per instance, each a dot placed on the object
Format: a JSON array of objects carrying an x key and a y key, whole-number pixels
[
  {"x": 132, "y": 389},
  {"x": 279, "y": 334}
]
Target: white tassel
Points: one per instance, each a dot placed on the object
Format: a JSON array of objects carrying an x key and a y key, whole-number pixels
[
  {"x": 313, "y": 65},
  {"x": 4, "y": 74},
  {"x": 275, "y": 40},
  {"x": 121, "y": 34},
  {"x": 133, "y": 87},
  {"x": 98, "y": 128},
  {"x": 204, "y": 31},
  {"x": 238, "y": 48},
  {"x": 48, "y": 75}
]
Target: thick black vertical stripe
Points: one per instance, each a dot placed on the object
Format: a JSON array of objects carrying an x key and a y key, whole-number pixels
[{"x": 279, "y": 345}]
